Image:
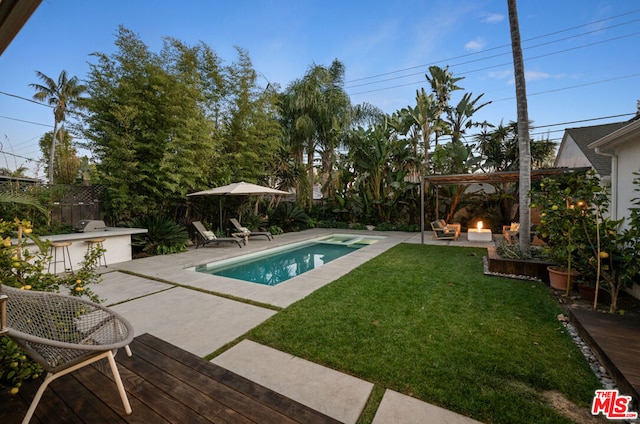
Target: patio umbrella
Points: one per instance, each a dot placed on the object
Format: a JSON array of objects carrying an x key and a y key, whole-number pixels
[{"x": 237, "y": 189}]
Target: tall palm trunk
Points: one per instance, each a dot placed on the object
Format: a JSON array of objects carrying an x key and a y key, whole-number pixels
[
  {"x": 523, "y": 128},
  {"x": 52, "y": 153}
]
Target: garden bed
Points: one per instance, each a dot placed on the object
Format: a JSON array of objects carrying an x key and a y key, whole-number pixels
[{"x": 530, "y": 268}]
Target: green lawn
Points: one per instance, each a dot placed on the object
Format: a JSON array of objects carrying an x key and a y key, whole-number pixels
[{"x": 425, "y": 321}]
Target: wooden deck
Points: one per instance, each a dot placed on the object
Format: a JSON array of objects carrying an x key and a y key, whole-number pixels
[
  {"x": 615, "y": 340},
  {"x": 165, "y": 384}
]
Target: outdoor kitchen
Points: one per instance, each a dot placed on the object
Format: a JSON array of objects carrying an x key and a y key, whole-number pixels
[{"x": 116, "y": 241}]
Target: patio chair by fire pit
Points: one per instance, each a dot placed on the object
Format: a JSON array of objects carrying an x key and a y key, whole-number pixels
[{"x": 64, "y": 333}]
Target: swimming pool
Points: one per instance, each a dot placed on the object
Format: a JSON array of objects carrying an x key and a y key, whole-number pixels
[{"x": 274, "y": 266}]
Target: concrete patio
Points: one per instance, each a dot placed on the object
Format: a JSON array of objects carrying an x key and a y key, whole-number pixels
[{"x": 201, "y": 313}]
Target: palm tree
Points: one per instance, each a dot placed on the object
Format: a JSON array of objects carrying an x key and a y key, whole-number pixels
[
  {"x": 523, "y": 128},
  {"x": 21, "y": 199},
  {"x": 19, "y": 172},
  {"x": 61, "y": 95},
  {"x": 315, "y": 113}
]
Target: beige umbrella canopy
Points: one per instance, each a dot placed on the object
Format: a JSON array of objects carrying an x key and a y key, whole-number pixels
[{"x": 237, "y": 189}]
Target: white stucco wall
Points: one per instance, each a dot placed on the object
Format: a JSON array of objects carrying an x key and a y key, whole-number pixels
[
  {"x": 628, "y": 162},
  {"x": 570, "y": 155}
]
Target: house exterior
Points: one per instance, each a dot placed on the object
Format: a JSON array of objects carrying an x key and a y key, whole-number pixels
[
  {"x": 574, "y": 151},
  {"x": 625, "y": 160},
  {"x": 622, "y": 149}
]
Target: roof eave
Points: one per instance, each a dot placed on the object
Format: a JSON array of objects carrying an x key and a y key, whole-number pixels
[
  {"x": 620, "y": 136},
  {"x": 13, "y": 15}
]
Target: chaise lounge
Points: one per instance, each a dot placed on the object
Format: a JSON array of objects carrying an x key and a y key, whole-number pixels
[
  {"x": 245, "y": 232},
  {"x": 205, "y": 236},
  {"x": 444, "y": 231}
]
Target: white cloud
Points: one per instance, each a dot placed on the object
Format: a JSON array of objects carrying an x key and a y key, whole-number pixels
[
  {"x": 493, "y": 18},
  {"x": 501, "y": 74},
  {"x": 536, "y": 75},
  {"x": 475, "y": 45},
  {"x": 530, "y": 76}
]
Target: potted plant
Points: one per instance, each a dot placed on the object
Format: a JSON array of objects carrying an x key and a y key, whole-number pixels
[{"x": 564, "y": 214}]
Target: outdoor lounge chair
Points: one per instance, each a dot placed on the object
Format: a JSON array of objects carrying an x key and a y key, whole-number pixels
[
  {"x": 444, "y": 231},
  {"x": 245, "y": 232},
  {"x": 511, "y": 232},
  {"x": 64, "y": 333},
  {"x": 205, "y": 236}
]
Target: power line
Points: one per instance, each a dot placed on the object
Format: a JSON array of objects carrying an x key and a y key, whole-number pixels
[
  {"x": 499, "y": 65},
  {"x": 501, "y": 54},
  {"x": 498, "y": 47},
  {"x": 572, "y": 86},
  {"x": 24, "y": 98},
  {"x": 22, "y": 120},
  {"x": 21, "y": 157},
  {"x": 585, "y": 120},
  {"x": 467, "y": 138}
]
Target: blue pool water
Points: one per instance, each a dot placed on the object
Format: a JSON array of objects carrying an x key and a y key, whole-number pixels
[{"x": 271, "y": 268}]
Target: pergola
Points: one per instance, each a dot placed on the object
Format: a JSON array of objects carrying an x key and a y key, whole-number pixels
[{"x": 484, "y": 178}]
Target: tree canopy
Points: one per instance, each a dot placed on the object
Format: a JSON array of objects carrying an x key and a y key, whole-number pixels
[{"x": 163, "y": 124}]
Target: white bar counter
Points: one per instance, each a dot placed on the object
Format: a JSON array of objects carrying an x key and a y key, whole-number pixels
[{"x": 117, "y": 242}]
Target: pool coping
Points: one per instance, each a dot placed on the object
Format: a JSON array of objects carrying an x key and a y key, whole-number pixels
[
  {"x": 212, "y": 267},
  {"x": 177, "y": 271}
]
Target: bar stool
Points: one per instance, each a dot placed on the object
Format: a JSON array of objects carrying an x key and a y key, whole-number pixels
[
  {"x": 53, "y": 252},
  {"x": 98, "y": 242}
]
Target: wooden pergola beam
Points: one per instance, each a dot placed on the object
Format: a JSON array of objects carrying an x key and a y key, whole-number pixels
[{"x": 496, "y": 177}]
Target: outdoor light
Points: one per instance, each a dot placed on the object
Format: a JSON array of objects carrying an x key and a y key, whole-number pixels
[{"x": 479, "y": 225}]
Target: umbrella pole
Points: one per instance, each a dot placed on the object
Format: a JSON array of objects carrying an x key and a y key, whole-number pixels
[{"x": 221, "y": 216}]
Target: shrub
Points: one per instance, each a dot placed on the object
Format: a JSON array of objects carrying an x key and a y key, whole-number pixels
[
  {"x": 332, "y": 224},
  {"x": 23, "y": 260},
  {"x": 163, "y": 235},
  {"x": 290, "y": 217},
  {"x": 385, "y": 226},
  {"x": 275, "y": 230}
]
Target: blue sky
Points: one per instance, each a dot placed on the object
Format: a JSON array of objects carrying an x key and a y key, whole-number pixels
[{"x": 581, "y": 56}]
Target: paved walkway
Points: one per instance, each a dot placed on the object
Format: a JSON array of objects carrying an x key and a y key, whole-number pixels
[{"x": 201, "y": 313}]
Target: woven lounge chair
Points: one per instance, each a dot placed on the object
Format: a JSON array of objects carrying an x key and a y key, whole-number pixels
[
  {"x": 245, "y": 232},
  {"x": 64, "y": 333},
  {"x": 444, "y": 231},
  {"x": 205, "y": 236}
]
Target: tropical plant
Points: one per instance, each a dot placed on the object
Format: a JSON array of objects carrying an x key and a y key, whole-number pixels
[
  {"x": 315, "y": 112},
  {"x": 62, "y": 95},
  {"x": 289, "y": 217},
  {"x": 19, "y": 172},
  {"x": 21, "y": 199},
  {"x": 275, "y": 230},
  {"x": 163, "y": 235}
]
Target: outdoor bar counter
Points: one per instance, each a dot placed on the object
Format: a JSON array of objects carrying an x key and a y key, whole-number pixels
[{"x": 117, "y": 243}]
